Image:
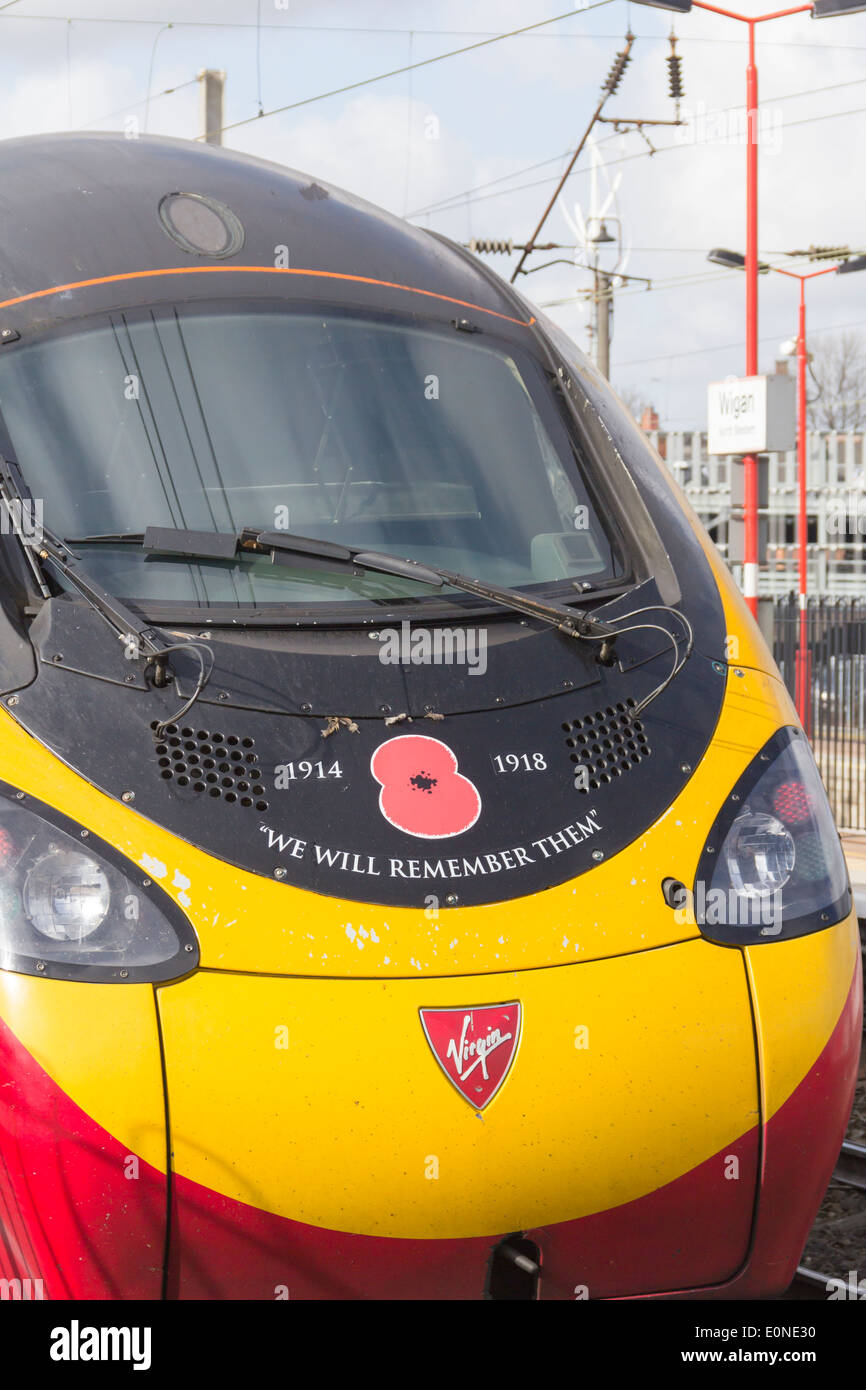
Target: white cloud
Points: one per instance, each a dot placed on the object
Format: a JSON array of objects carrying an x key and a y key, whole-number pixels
[
  {"x": 380, "y": 147},
  {"x": 508, "y": 105}
]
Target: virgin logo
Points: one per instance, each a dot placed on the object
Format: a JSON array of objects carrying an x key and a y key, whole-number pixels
[
  {"x": 475, "y": 1047},
  {"x": 422, "y": 791}
]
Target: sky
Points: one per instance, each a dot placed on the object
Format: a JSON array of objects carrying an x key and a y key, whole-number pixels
[{"x": 473, "y": 145}]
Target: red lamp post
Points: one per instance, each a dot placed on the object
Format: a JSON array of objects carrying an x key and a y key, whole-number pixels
[
  {"x": 733, "y": 260},
  {"x": 820, "y": 9},
  {"x": 801, "y": 684},
  {"x": 750, "y": 462}
]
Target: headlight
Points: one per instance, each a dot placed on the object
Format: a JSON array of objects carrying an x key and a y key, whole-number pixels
[
  {"x": 759, "y": 854},
  {"x": 773, "y": 866},
  {"x": 72, "y": 908},
  {"x": 66, "y": 896}
]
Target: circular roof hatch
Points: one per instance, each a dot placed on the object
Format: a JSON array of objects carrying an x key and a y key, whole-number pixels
[{"x": 201, "y": 225}]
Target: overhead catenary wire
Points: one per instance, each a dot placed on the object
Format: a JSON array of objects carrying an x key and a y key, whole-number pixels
[
  {"x": 409, "y": 67},
  {"x": 524, "y": 31},
  {"x": 622, "y": 159},
  {"x": 156, "y": 40},
  {"x": 467, "y": 195},
  {"x": 725, "y": 347},
  {"x": 608, "y": 88},
  {"x": 684, "y": 281},
  {"x": 285, "y": 27},
  {"x": 259, "y": 56},
  {"x": 673, "y": 282},
  {"x": 133, "y": 105}
]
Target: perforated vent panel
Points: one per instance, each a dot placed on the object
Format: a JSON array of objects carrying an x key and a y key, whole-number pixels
[
  {"x": 211, "y": 764},
  {"x": 607, "y": 743}
]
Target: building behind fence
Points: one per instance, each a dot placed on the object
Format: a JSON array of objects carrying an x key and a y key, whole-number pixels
[
  {"x": 836, "y": 502},
  {"x": 835, "y": 717}
]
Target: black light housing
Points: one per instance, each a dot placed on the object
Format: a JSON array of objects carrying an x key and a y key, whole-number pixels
[
  {"x": 855, "y": 263},
  {"x": 733, "y": 260},
  {"x": 775, "y": 823},
  {"x": 49, "y": 868},
  {"x": 681, "y": 6}
]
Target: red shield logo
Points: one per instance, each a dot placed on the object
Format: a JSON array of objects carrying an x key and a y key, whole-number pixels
[
  {"x": 475, "y": 1047},
  {"x": 422, "y": 791}
]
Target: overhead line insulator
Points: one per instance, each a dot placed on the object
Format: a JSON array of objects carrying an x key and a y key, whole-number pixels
[
  {"x": 675, "y": 70},
  {"x": 675, "y": 76},
  {"x": 492, "y": 245},
  {"x": 828, "y": 253},
  {"x": 614, "y": 77}
]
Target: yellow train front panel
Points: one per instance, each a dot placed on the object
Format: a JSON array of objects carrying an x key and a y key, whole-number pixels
[{"x": 321, "y": 1103}]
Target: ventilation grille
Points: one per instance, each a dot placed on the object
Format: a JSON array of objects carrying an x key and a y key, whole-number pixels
[
  {"x": 607, "y": 743},
  {"x": 225, "y": 767}
]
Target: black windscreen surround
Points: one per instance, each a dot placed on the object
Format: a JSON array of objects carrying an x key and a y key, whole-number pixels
[
  {"x": 430, "y": 442},
  {"x": 476, "y": 805}
]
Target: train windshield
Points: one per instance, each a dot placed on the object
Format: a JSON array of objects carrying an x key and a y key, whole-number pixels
[{"x": 425, "y": 441}]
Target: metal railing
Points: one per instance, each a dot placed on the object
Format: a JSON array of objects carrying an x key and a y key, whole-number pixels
[{"x": 836, "y": 682}]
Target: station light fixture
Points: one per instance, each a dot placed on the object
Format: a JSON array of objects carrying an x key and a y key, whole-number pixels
[
  {"x": 855, "y": 263},
  {"x": 821, "y": 9},
  {"x": 827, "y": 9},
  {"x": 733, "y": 260},
  {"x": 681, "y": 6}
]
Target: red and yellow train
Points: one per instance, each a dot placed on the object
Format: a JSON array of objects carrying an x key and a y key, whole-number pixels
[{"x": 414, "y": 879}]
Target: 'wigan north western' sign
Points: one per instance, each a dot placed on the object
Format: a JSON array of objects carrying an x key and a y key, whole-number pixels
[{"x": 751, "y": 415}]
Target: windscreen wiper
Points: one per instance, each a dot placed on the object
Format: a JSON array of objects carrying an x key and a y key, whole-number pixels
[
  {"x": 140, "y": 640},
  {"x": 285, "y": 548},
  {"x": 41, "y": 544},
  {"x": 13, "y": 499},
  {"x": 573, "y": 622}
]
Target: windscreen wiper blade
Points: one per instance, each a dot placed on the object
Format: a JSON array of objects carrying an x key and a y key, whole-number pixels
[
  {"x": 42, "y": 545},
  {"x": 286, "y": 548},
  {"x": 573, "y": 622},
  {"x": 138, "y": 637},
  {"x": 140, "y": 641},
  {"x": 12, "y": 496}
]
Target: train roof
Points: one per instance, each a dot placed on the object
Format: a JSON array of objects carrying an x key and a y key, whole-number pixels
[{"x": 80, "y": 208}]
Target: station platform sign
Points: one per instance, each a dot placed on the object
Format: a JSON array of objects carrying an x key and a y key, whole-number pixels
[{"x": 751, "y": 415}]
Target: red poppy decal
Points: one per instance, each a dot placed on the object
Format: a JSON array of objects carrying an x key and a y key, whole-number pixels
[
  {"x": 474, "y": 1047},
  {"x": 422, "y": 791}
]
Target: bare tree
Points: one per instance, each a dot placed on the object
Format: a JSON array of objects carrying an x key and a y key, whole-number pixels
[
  {"x": 838, "y": 369},
  {"x": 634, "y": 399}
]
